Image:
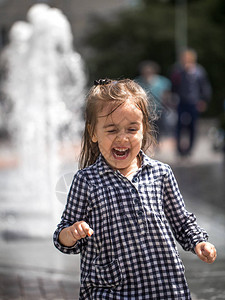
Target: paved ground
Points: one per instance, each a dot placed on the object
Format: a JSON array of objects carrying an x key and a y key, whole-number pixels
[
  {"x": 34, "y": 269},
  {"x": 31, "y": 268},
  {"x": 35, "y": 288}
]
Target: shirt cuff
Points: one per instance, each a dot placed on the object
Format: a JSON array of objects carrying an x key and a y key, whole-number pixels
[{"x": 197, "y": 241}]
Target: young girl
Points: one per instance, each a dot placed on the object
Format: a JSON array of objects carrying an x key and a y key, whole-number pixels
[{"x": 124, "y": 208}]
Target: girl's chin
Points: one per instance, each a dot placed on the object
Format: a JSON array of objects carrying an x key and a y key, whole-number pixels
[{"x": 117, "y": 164}]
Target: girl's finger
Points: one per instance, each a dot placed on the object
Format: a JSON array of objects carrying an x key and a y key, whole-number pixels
[
  {"x": 90, "y": 232},
  {"x": 212, "y": 257},
  {"x": 207, "y": 250},
  {"x": 212, "y": 253},
  {"x": 75, "y": 234},
  {"x": 81, "y": 230}
]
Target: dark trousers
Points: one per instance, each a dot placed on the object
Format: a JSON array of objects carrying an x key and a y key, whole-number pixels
[{"x": 186, "y": 128}]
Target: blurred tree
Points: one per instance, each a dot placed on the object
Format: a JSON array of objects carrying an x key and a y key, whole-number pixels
[
  {"x": 147, "y": 31},
  {"x": 206, "y": 33},
  {"x": 140, "y": 33}
]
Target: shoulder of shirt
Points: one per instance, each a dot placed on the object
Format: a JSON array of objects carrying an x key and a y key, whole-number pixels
[
  {"x": 157, "y": 167},
  {"x": 200, "y": 70},
  {"x": 91, "y": 175},
  {"x": 156, "y": 164},
  {"x": 87, "y": 174},
  {"x": 163, "y": 78}
]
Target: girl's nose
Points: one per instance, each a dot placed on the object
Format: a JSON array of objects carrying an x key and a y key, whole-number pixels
[{"x": 122, "y": 136}]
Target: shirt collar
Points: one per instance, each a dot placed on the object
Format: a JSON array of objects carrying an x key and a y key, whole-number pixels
[
  {"x": 145, "y": 160},
  {"x": 103, "y": 167}
]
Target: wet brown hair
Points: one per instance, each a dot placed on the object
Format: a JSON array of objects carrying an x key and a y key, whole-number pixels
[{"x": 114, "y": 93}]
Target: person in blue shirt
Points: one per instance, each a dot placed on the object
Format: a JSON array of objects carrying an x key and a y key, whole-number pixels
[
  {"x": 158, "y": 89},
  {"x": 150, "y": 80},
  {"x": 193, "y": 90},
  {"x": 124, "y": 208}
]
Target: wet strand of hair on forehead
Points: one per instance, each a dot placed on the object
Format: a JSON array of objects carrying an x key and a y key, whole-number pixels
[{"x": 112, "y": 111}]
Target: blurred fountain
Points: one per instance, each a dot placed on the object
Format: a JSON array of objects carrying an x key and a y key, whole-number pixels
[{"x": 45, "y": 82}]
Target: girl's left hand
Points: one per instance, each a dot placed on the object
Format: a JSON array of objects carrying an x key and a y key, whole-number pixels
[{"x": 206, "y": 252}]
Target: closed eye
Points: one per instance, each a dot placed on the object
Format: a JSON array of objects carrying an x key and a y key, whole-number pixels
[
  {"x": 132, "y": 129},
  {"x": 111, "y": 131}
]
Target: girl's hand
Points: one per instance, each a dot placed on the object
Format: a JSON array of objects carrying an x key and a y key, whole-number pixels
[
  {"x": 206, "y": 252},
  {"x": 80, "y": 230},
  {"x": 70, "y": 235}
]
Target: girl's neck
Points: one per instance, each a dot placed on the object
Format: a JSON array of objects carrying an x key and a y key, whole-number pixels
[{"x": 132, "y": 169}]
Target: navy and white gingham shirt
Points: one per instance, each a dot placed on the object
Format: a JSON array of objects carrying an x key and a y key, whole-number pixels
[{"x": 132, "y": 253}]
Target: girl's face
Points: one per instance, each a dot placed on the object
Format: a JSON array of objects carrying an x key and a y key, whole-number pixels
[{"x": 119, "y": 136}]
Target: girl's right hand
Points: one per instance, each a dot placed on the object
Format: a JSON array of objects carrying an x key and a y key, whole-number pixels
[
  {"x": 70, "y": 235},
  {"x": 80, "y": 230}
]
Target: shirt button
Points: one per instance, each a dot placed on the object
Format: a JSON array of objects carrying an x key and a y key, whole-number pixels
[
  {"x": 140, "y": 213},
  {"x": 136, "y": 201},
  {"x": 135, "y": 179},
  {"x": 133, "y": 191}
]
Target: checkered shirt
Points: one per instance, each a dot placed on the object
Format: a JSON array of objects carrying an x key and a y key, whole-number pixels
[{"x": 132, "y": 254}]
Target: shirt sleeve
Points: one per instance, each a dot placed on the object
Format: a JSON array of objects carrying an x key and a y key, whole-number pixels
[
  {"x": 183, "y": 223},
  {"x": 75, "y": 210}
]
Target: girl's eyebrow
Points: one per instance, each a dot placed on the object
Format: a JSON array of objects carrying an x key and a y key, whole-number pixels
[
  {"x": 134, "y": 123},
  {"x": 109, "y": 125},
  {"x": 112, "y": 125}
]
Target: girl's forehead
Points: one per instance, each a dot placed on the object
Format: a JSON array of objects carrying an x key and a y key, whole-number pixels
[
  {"x": 111, "y": 108},
  {"x": 125, "y": 111}
]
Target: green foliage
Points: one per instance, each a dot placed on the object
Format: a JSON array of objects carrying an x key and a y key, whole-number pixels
[
  {"x": 148, "y": 32},
  {"x": 206, "y": 32},
  {"x": 119, "y": 46}
]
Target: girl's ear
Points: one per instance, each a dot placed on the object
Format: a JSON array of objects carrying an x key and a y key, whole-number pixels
[
  {"x": 92, "y": 135},
  {"x": 94, "y": 138}
]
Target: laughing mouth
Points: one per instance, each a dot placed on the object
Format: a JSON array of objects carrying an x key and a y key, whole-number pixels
[{"x": 120, "y": 153}]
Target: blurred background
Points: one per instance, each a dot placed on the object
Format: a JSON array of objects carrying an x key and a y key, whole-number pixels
[{"x": 50, "y": 53}]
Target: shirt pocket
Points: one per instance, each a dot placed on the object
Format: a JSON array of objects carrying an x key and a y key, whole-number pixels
[{"x": 104, "y": 275}]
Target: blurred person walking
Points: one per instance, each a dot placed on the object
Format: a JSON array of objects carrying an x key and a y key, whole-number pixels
[
  {"x": 157, "y": 87},
  {"x": 193, "y": 90}
]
